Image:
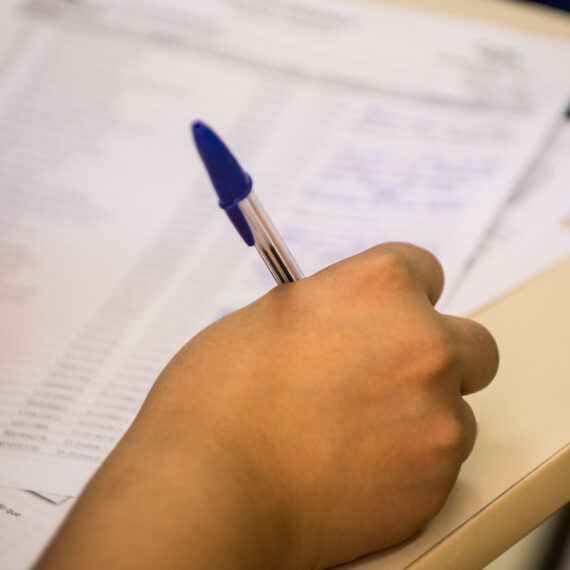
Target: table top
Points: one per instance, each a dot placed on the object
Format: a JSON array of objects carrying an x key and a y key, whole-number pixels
[{"x": 522, "y": 15}]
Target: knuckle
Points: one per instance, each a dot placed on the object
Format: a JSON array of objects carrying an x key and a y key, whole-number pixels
[
  {"x": 449, "y": 436},
  {"x": 445, "y": 446},
  {"x": 389, "y": 267},
  {"x": 438, "y": 354},
  {"x": 486, "y": 340},
  {"x": 434, "y": 502}
]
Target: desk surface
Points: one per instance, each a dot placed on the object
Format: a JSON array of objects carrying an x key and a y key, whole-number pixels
[
  {"x": 522, "y": 452},
  {"x": 525, "y": 16}
]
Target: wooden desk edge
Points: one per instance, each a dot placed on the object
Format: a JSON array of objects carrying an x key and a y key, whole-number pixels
[{"x": 506, "y": 520}]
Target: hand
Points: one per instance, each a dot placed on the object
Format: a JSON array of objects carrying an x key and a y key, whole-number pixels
[{"x": 321, "y": 422}]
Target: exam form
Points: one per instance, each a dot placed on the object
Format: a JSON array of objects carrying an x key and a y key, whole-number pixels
[
  {"x": 530, "y": 233},
  {"x": 27, "y": 522},
  {"x": 112, "y": 249}
]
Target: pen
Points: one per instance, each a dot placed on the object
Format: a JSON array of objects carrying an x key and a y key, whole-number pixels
[{"x": 234, "y": 189}]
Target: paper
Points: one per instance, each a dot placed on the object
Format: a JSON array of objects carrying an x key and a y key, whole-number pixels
[
  {"x": 112, "y": 251},
  {"x": 529, "y": 235},
  {"x": 27, "y": 522}
]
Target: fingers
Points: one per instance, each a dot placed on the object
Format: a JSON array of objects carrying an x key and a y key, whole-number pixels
[
  {"x": 392, "y": 274},
  {"x": 477, "y": 348},
  {"x": 478, "y": 353},
  {"x": 469, "y": 423}
]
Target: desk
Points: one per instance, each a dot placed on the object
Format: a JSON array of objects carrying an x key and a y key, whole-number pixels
[{"x": 522, "y": 452}]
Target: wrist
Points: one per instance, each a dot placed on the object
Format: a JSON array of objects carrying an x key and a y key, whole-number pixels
[
  {"x": 174, "y": 499},
  {"x": 232, "y": 516},
  {"x": 221, "y": 509}
]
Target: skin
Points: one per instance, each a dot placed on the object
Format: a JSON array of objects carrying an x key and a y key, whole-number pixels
[{"x": 322, "y": 422}]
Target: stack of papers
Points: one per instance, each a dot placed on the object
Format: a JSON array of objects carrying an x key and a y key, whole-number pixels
[{"x": 113, "y": 251}]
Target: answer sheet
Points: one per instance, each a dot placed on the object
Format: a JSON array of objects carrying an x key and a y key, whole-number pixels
[
  {"x": 115, "y": 253},
  {"x": 530, "y": 234},
  {"x": 112, "y": 248},
  {"x": 27, "y": 522}
]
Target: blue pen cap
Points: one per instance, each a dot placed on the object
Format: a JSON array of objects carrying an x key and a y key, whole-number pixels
[{"x": 230, "y": 181}]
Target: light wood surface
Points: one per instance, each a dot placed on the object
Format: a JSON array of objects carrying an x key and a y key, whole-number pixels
[{"x": 531, "y": 17}]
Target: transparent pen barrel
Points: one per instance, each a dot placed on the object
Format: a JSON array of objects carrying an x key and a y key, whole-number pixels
[{"x": 268, "y": 242}]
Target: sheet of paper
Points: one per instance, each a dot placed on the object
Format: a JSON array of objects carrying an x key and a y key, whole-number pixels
[
  {"x": 112, "y": 251},
  {"x": 529, "y": 235},
  {"x": 27, "y": 522}
]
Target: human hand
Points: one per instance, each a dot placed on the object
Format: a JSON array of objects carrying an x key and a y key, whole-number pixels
[{"x": 321, "y": 422}]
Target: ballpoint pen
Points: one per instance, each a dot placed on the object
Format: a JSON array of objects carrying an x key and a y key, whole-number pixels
[{"x": 234, "y": 189}]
